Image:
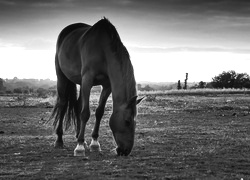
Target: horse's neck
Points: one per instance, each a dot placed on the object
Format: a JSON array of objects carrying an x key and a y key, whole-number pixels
[{"x": 119, "y": 84}]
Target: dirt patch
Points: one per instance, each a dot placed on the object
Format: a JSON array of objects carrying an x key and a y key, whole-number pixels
[{"x": 186, "y": 137}]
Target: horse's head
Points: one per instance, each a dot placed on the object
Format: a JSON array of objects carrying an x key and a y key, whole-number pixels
[{"x": 122, "y": 124}]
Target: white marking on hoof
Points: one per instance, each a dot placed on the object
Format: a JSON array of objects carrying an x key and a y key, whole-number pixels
[
  {"x": 95, "y": 146},
  {"x": 80, "y": 150}
]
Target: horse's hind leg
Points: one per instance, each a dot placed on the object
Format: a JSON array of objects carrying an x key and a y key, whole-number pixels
[
  {"x": 95, "y": 146},
  {"x": 62, "y": 108},
  {"x": 61, "y": 104},
  {"x": 59, "y": 131}
]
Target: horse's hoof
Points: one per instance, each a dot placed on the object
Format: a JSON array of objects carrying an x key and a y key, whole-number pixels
[
  {"x": 79, "y": 150},
  {"x": 58, "y": 145},
  {"x": 95, "y": 146}
]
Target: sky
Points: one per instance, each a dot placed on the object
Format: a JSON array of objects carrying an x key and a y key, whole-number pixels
[{"x": 165, "y": 38}]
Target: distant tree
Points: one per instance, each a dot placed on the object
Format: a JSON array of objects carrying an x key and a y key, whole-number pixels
[
  {"x": 201, "y": 85},
  {"x": 185, "y": 81},
  {"x": 147, "y": 88},
  {"x": 41, "y": 92},
  {"x": 209, "y": 85},
  {"x": 231, "y": 79},
  {"x": 8, "y": 91},
  {"x": 242, "y": 80},
  {"x": 2, "y": 88},
  {"x": 179, "y": 85},
  {"x": 15, "y": 79},
  {"x": 1, "y": 82},
  {"x": 53, "y": 92},
  {"x": 18, "y": 90},
  {"x": 31, "y": 90},
  {"x": 26, "y": 90},
  {"x": 139, "y": 87},
  {"x": 247, "y": 85}
]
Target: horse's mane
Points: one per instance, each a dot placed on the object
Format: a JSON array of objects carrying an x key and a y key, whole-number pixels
[
  {"x": 121, "y": 54},
  {"x": 106, "y": 26}
]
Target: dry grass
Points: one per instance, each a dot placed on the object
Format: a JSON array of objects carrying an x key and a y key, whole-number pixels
[
  {"x": 177, "y": 137},
  {"x": 205, "y": 91},
  {"x": 33, "y": 101}
]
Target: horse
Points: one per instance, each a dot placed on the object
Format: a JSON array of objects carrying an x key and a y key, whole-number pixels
[{"x": 89, "y": 56}]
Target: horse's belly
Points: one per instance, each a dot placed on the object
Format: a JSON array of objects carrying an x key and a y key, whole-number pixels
[
  {"x": 75, "y": 79},
  {"x": 101, "y": 79}
]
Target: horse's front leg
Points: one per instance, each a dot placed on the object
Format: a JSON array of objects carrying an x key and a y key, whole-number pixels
[
  {"x": 84, "y": 115},
  {"x": 95, "y": 145}
]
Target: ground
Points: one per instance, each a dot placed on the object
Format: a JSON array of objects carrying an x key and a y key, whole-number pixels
[{"x": 177, "y": 137}]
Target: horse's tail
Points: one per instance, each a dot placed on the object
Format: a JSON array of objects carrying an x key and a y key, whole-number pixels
[{"x": 64, "y": 111}]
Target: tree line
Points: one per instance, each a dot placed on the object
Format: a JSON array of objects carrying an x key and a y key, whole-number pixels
[
  {"x": 229, "y": 79},
  {"x": 226, "y": 79},
  {"x": 41, "y": 88}
]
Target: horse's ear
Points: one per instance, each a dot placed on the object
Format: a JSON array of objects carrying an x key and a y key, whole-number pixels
[
  {"x": 134, "y": 101},
  {"x": 139, "y": 100}
]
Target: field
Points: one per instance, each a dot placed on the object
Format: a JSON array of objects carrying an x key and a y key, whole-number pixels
[{"x": 178, "y": 136}]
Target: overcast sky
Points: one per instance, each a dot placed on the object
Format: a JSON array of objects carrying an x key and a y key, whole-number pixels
[{"x": 156, "y": 27}]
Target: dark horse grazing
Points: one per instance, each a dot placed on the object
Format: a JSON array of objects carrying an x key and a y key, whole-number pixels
[{"x": 88, "y": 56}]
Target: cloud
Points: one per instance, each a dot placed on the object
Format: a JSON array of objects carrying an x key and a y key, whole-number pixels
[
  {"x": 8, "y": 45},
  {"x": 65, "y": 3},
  {"x": 158, "y": 49},
  {"x": 210, "y": 7},
  {"x": 30, "y": 44},
  {"x": 7, "y": 2},
  {"x": 40, "y": 44},
  {"x": 186, "y": 23}
]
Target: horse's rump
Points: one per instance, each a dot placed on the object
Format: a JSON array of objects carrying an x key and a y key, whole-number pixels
[{"x": 69, "y": 29}]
